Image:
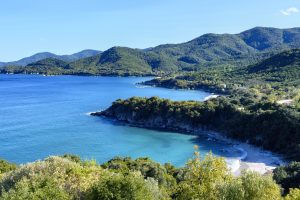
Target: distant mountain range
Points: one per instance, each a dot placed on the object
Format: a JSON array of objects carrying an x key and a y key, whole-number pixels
[
  {"x": 45, "y": 55},
  {"x": 246, "y": 48}
]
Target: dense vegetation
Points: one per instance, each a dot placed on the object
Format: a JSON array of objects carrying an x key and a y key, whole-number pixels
[
  {"x": 254, "y": 69},
  {"x": 232, "y": 50},
  {"x": 69, "y": 177},
  {"x": 288, "y": 176},
  {"x": 243, "y": 116},
  {"x": 6, "y": 166},
  {"x": 277, "y": 78}
]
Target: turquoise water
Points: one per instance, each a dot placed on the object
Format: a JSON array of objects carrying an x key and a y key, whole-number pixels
[{"x": 42, "y": 116}]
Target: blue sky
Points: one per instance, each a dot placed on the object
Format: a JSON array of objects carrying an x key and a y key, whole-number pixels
[{"x": 65, "y": 26}]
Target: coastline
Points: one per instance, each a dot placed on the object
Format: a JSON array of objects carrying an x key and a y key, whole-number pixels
[
  {"x": 253, "y": 158},
  {"x": 256, "y": 160}
]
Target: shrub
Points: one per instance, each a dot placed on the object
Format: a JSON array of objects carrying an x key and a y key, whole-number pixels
[
  {"x": 6, "y": 166},
  {"x": 70, "y": 176},
  {"x": 250, "y": 186},
  {"x": 288, "y": 176},
  {"x": 200, "y": 178},
  {"x": 293, "y": 195},
  {"x": 36, "y": 188},
  {"x": 118, "y": 186},
  {"x": 147, "y": 167}
]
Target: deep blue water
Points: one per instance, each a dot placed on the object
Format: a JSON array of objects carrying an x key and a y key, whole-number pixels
[{"x": 42, "y": 116}]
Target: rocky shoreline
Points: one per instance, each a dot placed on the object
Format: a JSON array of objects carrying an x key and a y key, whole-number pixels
[
  {"x": 156, "y": 123},
  {"x": 255, "y": 159}
]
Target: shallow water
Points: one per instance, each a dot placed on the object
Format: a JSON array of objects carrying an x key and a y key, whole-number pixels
[{"x": 42, "y": 116}]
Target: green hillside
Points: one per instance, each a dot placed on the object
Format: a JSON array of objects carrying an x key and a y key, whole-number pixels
[
  {"x": 271, "y": 39},
  {"x": 43, "y": 55},
  {"x": 278, "y": 75},
  {"x": 45, "y": 66},
  {"x": 281, "y": 70},
  {"x": 126, "y": 61},
  {"x": 238, "y": 49},
  {"x": 117, "y": 60},
  {"x": 283, "y": 67},
  {"x": 226, "y": 50}
]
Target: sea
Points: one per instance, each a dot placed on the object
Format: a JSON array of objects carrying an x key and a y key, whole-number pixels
[{"x": 42, "y": 116}]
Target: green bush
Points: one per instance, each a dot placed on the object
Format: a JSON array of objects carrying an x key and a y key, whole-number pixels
[
  {"x": 293, "y": 195},
  {"x": 6, "y": 166},
  {"x": 250, "y": 186},
  {"x": 70, "y": 176},
  {"x": 200, "y": 178},
  {"x": 147, "y": 167},
  {"x": 288, "y": 176},
  {"x": 127, "y": 179},
  {"x": 35, "y": 189},
  {"x": 118, "y": 187}
]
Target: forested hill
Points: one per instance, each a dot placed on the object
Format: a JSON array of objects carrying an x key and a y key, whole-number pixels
[
  {"x": 282, "y": 62},
  {"x": 247, "y": 46},
  {"x": 282, "y": 69},
  {"x": 277, "y": 77},
  {"x": 242, "y": 49},
  {"x": 44, "y": 55}
]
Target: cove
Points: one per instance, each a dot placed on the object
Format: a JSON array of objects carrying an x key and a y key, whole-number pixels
[{"x": 42, "y": 116}]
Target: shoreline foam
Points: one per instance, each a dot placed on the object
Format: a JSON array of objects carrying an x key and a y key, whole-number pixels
[
  {"x": 212, "y": 96},
  {"x": 252, "y": 159},
  {"x": 258, "y": 160}
]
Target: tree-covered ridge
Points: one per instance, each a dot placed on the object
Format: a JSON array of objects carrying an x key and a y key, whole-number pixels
[
  {"x": 129, "y": 61},
  {"x": 44, "y": 55},
  {"x": 120, "y": 61},
  {"x": 261, "y": 38},
  {"x": 248, "y": 46},
  {"x": 244, "y": 116},
  {"x": 69, "y": 177},
  {"x": 277, "y": 77},
  {"x": 236, "y": 50},
  {"x": 283, "y": 67}
]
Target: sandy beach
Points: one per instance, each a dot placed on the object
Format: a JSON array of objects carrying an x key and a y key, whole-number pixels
[
  {"x": 253, "y": 158},
  {"x": 212, "y": 96},
  {"x": 256, "y": 159}
]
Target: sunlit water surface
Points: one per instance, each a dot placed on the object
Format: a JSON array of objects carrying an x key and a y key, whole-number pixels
[{"x": 42, "y": 116}]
